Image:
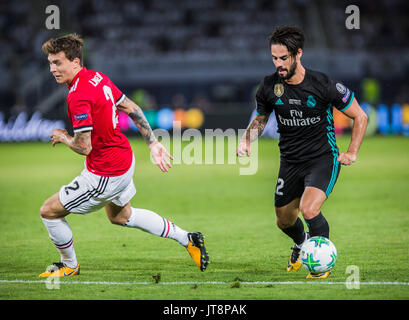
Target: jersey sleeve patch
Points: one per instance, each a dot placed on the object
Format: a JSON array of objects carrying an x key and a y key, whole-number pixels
[
  {"x": 81, "y": 116},
  {"x": 349, "y": 104},
  {"x": 80, "y": 111},
  {"x": 81, "y": 122},
  {"x": 340, "y": 96}
]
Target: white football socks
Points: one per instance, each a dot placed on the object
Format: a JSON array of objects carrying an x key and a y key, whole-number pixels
[
  {"x": 153, "y": 223},
  {"x": 61, "y": 235}
]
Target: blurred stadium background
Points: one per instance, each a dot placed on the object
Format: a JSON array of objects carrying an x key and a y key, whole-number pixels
[{"x": 200, "y": 61}]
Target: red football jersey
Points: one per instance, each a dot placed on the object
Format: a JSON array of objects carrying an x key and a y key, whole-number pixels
[{"x": 91, "y": 104}]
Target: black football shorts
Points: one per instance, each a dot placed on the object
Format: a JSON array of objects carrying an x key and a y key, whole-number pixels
[{"x": 321, "y": 172}]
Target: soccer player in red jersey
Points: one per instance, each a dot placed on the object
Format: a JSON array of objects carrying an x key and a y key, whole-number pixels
[{"x": 93, "y": 103}]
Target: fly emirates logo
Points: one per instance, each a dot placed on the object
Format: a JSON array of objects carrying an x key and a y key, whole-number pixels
[{"x": 297, "y": 120}]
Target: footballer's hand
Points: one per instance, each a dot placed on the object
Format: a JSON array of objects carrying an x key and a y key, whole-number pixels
[
  {"x": 59, "y": 136},
  {"x": 161, "y": 156},
  {"x": 243, "y": 148},
  {"x": 347, "y": 158}
]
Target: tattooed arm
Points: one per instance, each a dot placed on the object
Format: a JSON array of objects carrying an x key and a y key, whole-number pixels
[
  {"x": 80, "y": 143},
  {"x": 137, "y": 116},
  {"x": 255, "y": 128},
  {"x": 253, "y": 131},
  {"x": 159, "y": 153}
]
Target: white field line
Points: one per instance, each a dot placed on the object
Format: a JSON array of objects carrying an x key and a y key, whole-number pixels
[{"x": 369, "y": 283}]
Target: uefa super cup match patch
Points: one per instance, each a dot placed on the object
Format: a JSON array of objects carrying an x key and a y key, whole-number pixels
[
  {"x": 346, "y": 96},
  {"x": 81, "y": 116}
]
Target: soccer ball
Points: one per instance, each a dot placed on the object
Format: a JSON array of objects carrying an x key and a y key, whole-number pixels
[{"x": 318, "y": 254}]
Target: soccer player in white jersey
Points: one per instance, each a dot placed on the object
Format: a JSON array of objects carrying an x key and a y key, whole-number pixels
[{"x": 93, "y": 103}]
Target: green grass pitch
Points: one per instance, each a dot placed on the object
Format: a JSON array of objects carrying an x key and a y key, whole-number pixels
[{"x": 368, "y": 213}]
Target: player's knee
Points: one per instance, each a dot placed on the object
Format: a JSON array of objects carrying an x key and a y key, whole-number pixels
[
  {"x": 113, "y": 220},
  {"x": 285, "y": 218},
  {"x": 49, "y": 211},
  {"x": 284, "y": 221},
  {"x": 309, "y": 211},
  {"x": 283, "y": 224},
  {"x": 118, "y": 215},
  {"x": 45, "y": 211},
  {"x": 117, "y": 220}
]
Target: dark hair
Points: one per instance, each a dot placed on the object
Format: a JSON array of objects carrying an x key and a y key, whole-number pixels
[
  {"x": 70, "y": 44},
  {"x": 289, "y": 36}
]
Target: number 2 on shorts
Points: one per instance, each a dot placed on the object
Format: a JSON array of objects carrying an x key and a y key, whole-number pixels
[
  {"x": 74, "y": 186},
  {"x": 280, "y": 185}
]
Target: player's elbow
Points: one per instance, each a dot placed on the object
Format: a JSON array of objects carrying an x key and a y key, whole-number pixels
[
  {"x": 83, "y": 150},
  {"x": 362, "y": 118},
  {"x": 359, "y": 116}
]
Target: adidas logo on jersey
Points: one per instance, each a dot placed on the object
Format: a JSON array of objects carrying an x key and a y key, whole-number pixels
[{"x": 279, "y": 102}]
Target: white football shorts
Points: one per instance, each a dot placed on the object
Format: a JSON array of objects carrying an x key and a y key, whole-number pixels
[{"x": 89, "y": 192}]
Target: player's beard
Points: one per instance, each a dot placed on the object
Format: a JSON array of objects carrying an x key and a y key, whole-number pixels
[{"x": 290, "y": 72}]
